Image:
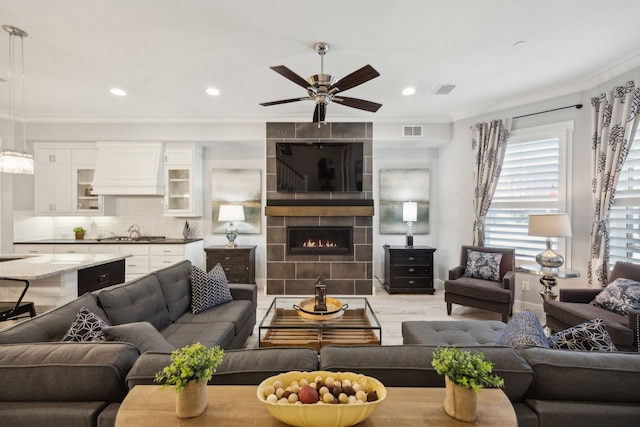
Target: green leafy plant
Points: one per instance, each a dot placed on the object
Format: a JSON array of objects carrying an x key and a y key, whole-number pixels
[
  {"x": 465, "y": 369},
  {"x": 79, "y": 230},
  {"x": 193, "y": 362}
]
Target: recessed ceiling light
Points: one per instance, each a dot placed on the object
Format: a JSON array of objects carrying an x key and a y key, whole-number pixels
[
  {"x": 118, "y": 92},
  {"x": 408, "y": 91},
  {"x": 212, "y": 91}
]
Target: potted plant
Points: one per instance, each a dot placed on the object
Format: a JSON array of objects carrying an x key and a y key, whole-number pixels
[
  {"x": 80, "y": 232},
  {"x": 465, "y": 374},
  {"x": 191, "y": 368}
]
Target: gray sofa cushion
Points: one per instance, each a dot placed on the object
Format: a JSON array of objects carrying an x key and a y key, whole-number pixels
[
  {"x": 141, "y": 334},
  {"x": 239, "y": 367},
  {"x": 451, "y": 333},
  {"x": 580, "y": 414},
  {"x": 66, "y": 372},
  {"x": 50, "y": 414},
  {"x": 583, "y": 376},
  {"x": 140, "y": 300},
  {"x": 53, "y": 324},
  {"x": 209, "y": 334},
  {"x": 175, "y": 281},
  {"x": 236, "y": 312},
  {"x": 410, "y": 365}
]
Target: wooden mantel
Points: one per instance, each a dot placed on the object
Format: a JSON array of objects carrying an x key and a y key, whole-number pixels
[{"x": 292, "y": 207}]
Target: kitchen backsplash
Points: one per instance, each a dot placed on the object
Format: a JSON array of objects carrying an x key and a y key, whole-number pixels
[{"x": 146, "y": 212}]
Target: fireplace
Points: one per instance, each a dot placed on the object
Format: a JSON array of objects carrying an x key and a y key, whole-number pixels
[{"x": 320, "y": 240}]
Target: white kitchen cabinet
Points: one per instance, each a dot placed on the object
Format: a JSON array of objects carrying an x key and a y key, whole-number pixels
[
  {"x": 75, "y": 248},
  {"x": 52, "y": 180},
  {"x": 183, "y": 180},
  {"x": 23, "y": 248},
  {"x": 85, "y": 201}
]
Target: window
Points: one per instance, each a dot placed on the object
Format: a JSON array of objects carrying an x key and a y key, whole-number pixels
[
  {"x": 624, "y": 217},
  {"x": 533, "y": 181}
]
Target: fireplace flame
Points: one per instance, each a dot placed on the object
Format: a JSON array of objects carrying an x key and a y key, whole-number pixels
[{"x": 318, "y": 243}]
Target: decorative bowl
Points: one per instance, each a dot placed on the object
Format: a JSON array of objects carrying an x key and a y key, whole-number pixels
[
  {"x": 321, "y": 414},
  {"x": 306, "y": 309}
]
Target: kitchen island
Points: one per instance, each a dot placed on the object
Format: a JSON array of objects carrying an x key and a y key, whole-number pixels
[{"x": 55, "y": 279}]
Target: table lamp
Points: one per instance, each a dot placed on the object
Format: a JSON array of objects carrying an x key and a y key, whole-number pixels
[
  {"x": 550, "y": 225},
  {"x": 231, "y": 213},
  {"x": 410, "y": 215}
]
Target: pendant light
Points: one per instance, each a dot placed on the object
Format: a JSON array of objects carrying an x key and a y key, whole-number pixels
[{"x": 13, "y": 160}]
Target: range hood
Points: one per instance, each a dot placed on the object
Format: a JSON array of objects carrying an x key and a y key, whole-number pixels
[{"x": 129, "y": 168}]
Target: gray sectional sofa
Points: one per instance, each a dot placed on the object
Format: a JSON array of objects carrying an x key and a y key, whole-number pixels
[{"x": 50, "y": 383}]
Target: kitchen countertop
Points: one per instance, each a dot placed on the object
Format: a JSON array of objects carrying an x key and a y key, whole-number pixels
[
  {"x": 106, "y": 241},
  {"x": 33, "y": 267}
]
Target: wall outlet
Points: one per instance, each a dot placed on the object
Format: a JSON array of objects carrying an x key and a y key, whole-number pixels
[{"x": 525, "y": 285}]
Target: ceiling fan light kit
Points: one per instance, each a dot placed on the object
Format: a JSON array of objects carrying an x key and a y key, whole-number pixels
[{"x": 323, "y": 88}]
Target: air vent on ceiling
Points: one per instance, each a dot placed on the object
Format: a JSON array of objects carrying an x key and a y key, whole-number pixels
[
  {"x": 409, "y": 130},
  {"x": 443, "y": 89}
]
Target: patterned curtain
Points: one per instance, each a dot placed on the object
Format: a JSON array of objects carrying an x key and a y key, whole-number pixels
[
  {"x": 489, "y": 143},
  {"x": 615, "y": 120}
]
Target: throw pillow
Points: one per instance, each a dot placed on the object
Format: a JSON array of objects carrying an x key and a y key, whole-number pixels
[
  {"x": 587, "y": 336},
  {"x": 483, "y": 265},
  {"x": 86, "y": 326},
  {"x": 523, "y": 329},
  {"x": 208, "y": 289},
  {"x": 619, "y": 296},
  {"x": 141, "y": 334}
]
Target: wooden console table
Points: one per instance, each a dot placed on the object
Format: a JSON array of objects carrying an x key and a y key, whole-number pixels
[{"x": 233, "y": 406}]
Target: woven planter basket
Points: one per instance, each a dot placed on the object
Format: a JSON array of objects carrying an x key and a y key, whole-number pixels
[
  {"x": 192, "y": 400},
  {"x": 460, "y": 402}
]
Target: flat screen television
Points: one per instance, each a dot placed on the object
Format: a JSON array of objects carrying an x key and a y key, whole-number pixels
[{"x": 319, "y": 166}]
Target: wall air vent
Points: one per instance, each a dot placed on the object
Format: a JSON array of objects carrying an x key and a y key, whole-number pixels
[
  {"x": 443, "y": 89},
  {"x": 411, "y": 131}
]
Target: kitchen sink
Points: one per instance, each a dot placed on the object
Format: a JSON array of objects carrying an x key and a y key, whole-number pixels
[{"x": 129, "y": 239}]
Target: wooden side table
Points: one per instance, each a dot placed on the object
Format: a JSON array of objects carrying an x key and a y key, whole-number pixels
[
  {"x": 408, "y": 269},
  {"x": 239, "y": 263},
  {"x": 233, "y": 406}
]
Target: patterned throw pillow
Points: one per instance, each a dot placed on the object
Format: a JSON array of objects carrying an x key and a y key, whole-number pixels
[
  {"x": 86, "y": 326},
  {"x": 619, "y": 296},
  {"x": 483, "y": 265},
  {"x": 587, "y": 336},
  {"x": 208, "y": 289},
  {"x": 523, "y": 329}
]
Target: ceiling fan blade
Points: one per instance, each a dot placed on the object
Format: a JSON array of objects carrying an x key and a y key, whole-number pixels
[
  {"x": 287, "y": 73},
  {"x": 356, "y": 78},
  {"x": 357, "y": 103},
  {"x": 319, "y": 113},
  {"x": 284, "y": 101}
]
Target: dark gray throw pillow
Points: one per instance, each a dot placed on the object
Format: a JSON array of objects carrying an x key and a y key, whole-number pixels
[
  {"x": 587, "y": 336},
  {"x": 523, "y": 329},
  {"x": 86, "y": 326},
  {"x": 141, "y": 334}
]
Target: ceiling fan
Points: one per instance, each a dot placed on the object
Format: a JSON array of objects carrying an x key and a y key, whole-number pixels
[{"x": 325, "y": 88}]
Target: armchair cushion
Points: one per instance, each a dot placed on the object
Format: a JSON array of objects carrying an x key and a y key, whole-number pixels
[
  {"x": 587, "y": 336},
  {"x": 483, "y": 265},
  {"x": 620, "y": 296}
]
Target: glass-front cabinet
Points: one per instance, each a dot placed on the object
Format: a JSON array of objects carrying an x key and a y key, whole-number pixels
[{"x": 183, "y": 180}]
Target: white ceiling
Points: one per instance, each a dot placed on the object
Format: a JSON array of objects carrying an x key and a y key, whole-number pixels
[{"x": 164, "y": 53}]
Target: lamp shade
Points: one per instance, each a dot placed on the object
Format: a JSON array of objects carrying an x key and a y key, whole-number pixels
[
  {"x": 410, "y": 211},
  {"x": 231, "y": 213},
  {"x": 550, "y": 225}
]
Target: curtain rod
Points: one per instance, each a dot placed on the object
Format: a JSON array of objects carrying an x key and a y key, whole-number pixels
[{"x": 578, "y": 106}]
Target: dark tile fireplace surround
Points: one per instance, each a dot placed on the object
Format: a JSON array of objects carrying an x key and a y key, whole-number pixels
[{"x": 349, "y": 216}]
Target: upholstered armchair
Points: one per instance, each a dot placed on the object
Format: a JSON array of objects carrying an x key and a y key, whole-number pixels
[
  {"x": 492, "y": 288},
  {"x": 574, "y": 308}
]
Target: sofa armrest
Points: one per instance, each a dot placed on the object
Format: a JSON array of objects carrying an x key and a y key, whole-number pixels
[
  {"x": 509, "y": 280},
  {"x": 65, "y": 372},
  {"x": 456, "y": 272},
  {"x": 583, "y": 296},
  {"x": 633, "y": 320},
  {"x": 244, "y": 291}
]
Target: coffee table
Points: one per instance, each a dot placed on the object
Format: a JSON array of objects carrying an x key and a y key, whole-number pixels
[
  {"x": 233, "y": 406},
  {"x": 283, "y": 326}
]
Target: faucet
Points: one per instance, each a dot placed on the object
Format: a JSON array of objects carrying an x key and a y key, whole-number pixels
[{"x": 134, "y": 232}]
